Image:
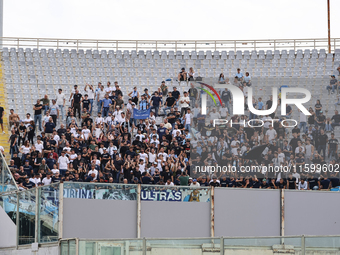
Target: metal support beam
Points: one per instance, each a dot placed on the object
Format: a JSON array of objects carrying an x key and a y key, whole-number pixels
[
  {"x": 282, "y": 213},
  {"x": 212, "y": 212},
  {"x": 329, "y": 26},
  {"x": 221, "y": 245},
  {"x": 17, "y": 220},
  {"x": 61, "y": 210},
  {"x": 37, "y": 218},
  {"x": 144, "y": 246},
  {"x": 138, "y": 211}
]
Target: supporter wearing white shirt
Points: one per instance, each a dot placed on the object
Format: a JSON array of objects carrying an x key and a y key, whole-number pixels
[
  {"x": 165, "y": 155},
  {"x": 120, "y": 118},
  {"x": 302, "y": 185},
  {"x": 73, "y": 130},
  {"x": 108, "y": 89},
  {"x": 56, "y": 137},
  {"x": 67, "y": 149},
  {"x": 281, "y": 156},
  {"x": 155, "y": 141},
  {"x": 86, "y": 132},
  {"x": 174, "y": 132},
  {"x": 93, "y": 171},
  {"x": 63, "y": 162},
  {"x": 143, "y": 155},
  {"x": 185, "y": 100},
  {"x": 27, "y": 120},
  {"x": 72, "y": 156},
  {"x": 214, "y": 114},
  {"x": 99, "y": 119},
  {"x": 55, "y": 170},
  {"x": 169, "y": 183},
  {"x": 271, "y": 134},
  {"x": 39, "y": 146},
  {"x": 60, "y": 101},
  {"x": 117, "y": 113},
  {"x": 223, "y": 111},
  {"x": 142, "y": 166},
  {"x": 35, "y": 180},
  {"x": 152, "y": 155},
  {"x": 97, "y": 132},
  {"x": 129, "y": 105},
  {"x": 108, "y": 120},
  {"x": 267, "y": 121},
  {"x": 89, "y": 91},
  {"x": 47, "y": 180},
  {"x": 111, "y": 149},
  {"x": 187, "y": 118},
  {"x": 101, "y": 94},
  {"x": 195, "y": 183}
]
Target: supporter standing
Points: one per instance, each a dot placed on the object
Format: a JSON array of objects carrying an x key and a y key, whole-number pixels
[
  {"x": 37, "y": 113},
  {"x": 61, "y": 103}
]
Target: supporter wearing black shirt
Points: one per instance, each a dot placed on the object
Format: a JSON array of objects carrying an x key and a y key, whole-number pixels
[
  {"x": 105, "y": 158},
  {"x": 27, "y": 184},
  {"x": 323, "y": 139},
  {"x": 313, "y": 183},
  {"x": 224, "y": 181},
  {"x": 332, "y": 146},
  {"x": 61, "y": 130},
  {"x": 256, "y": 184},
  {"x": 146, "y": 179},
  {"x": 141, "y": 126},
  {"x": 38, "y": 107},
  {"x": 264, "y": 184},
  {"x": 176, "y": 94},
  {"x": 166, "y": 175},
  {"x": 137, "y": 174},
  {"x": 171, "y": 117},
  {"x": 131, "y": 152},
  {"x": 17, "y": 160},
  {"x": 334, "y": 180},
  {"x": 214, "y": 182},
  {"x": 86, "y": 103},
  {"x": 76, "y": 104},
  {"x": 291, "y": 182},
  {"x": 324, "y": 182},
  {"x": 232, "y": 183},
  {"x": 294, "y": 142},
  {"x": 281, "y": 184},
  {"x": 170, "y": 101},
  {"x": 336, "y": 119},
  {"x": 269, "y": 104}
]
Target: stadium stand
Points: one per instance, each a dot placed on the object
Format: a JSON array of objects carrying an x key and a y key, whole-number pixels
[{"x": 31, "y": 74}]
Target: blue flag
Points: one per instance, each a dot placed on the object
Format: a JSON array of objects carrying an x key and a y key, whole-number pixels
[{"x": 141, "y": 114}]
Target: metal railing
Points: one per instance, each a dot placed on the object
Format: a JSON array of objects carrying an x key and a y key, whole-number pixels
[
  {"x": 220, "y": 245},
  {"x": 7, "y": 182},
  {"x": 196, "y": 45}
]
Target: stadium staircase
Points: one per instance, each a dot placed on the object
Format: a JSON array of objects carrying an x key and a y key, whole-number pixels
[{"x": 3, "y": 103}]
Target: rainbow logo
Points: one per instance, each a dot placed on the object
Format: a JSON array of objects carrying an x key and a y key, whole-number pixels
[{"x": 209, "y": 93}]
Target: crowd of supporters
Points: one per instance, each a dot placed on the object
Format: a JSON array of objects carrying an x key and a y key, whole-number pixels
[{"x": 99, "y": 139}]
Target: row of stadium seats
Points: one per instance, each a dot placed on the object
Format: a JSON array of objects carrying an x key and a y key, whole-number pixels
[{"x": 246, "y": 54}]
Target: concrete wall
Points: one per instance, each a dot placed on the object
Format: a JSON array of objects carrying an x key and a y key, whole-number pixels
[
  {"x": 174, "y": 219},
  {"x": 92, "y": 218},
  {"x": 8, "y": 230},
  {"x": 244, "y": 212},
  {"x": 312, "y": 213},
  {"x": 50, "y": 250}
]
